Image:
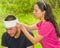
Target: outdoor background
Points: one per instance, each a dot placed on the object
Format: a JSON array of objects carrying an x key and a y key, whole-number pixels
[{"x": 23, "y": 10}]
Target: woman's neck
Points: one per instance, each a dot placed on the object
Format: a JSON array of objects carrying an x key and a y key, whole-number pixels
[{"x": 43, "y": 20}]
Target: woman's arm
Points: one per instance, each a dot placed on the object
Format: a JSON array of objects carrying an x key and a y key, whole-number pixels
[
  {"x": 30, "y": 46},
  {"x": 32, "y": 27},
  {"x": 4, "y": 47},
  {"x": 31, "y": 38}
]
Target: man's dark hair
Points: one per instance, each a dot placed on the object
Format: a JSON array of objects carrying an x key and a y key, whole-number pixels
[{"x": 10, "y": 17}]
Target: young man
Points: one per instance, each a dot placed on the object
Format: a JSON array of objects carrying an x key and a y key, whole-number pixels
[{"x": 14, "y": 38}]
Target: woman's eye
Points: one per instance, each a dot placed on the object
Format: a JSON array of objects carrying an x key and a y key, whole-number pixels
[{"x": 35, "y": 10}]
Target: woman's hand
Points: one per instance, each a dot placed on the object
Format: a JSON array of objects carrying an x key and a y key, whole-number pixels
[
  {"x": 18, "y": 27},
  {"x": 23, "y": 28}
]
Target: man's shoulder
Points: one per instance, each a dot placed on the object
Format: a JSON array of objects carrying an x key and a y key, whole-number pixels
[
  {"x": 29, "y": 32},
  {"x": 5, "y": 34},
  {"x": 26, "y": 40}
]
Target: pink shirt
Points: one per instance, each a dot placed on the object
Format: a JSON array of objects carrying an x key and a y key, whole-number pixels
[{"x": 50, "y": 39}]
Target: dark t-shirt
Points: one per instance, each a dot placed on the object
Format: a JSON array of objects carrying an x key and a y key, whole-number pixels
[{"x": 10, "y": 42}]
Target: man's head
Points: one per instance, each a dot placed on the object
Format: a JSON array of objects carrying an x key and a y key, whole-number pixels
[{"x": 10, "y": 23}]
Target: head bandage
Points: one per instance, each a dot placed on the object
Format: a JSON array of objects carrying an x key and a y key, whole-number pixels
[{"x": 9, "y": 24}]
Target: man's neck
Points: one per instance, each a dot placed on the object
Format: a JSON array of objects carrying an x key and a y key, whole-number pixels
[{"x": 17, "y": 34}]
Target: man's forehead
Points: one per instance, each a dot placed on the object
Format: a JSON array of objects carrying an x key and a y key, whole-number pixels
[{"x": 11, "y": 28}]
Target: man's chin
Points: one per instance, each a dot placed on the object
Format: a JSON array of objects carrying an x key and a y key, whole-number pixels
[{"x": 12, "y": 35}]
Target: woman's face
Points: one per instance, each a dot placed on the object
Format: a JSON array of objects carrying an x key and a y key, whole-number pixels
[{"x": 37, "y": 12}]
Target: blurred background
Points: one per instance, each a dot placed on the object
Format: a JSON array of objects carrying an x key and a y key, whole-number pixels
[{"x": 23, "y": 10}]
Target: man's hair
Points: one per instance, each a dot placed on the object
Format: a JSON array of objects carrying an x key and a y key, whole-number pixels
[{"x": 10, "y": 17}]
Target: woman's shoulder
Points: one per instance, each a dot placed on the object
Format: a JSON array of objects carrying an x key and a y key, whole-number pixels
[
  {"x": 39, "y": 23},
  {"x": 49, "y": 24}
]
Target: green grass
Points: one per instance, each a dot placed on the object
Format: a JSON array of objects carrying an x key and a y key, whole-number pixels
[
  {"x": 1, "y": 31},
  {"x": 57, "y": 14},
  {"x": 28, "y": 19}
]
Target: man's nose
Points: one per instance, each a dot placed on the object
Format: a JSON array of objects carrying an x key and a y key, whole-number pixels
[{"x": 9, "y": 31}]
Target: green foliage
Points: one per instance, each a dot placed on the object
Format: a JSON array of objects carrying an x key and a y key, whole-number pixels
[
  {"x": 57, "y": 15},
  {"x": 54, "y": 3},
  {"x": 15, "y": 7},
  {"x": 19, "y": 5},
  {"x": 23, "y": 9}
]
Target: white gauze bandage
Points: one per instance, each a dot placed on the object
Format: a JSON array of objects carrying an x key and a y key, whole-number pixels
[{"x": 9, "y": 24}]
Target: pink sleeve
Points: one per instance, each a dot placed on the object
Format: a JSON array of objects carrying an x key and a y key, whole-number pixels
[
  {"x": 45, "y": 30},
  {"x": 39, "y": 24}
]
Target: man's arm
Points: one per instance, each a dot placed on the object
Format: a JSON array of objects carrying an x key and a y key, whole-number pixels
[{"x": 4, "y": 42}]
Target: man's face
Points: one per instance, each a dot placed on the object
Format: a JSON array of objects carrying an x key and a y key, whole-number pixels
[{"x": 12, "y": 31}]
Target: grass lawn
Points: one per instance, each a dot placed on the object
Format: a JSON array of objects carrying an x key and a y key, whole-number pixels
[{"x": 28, "y": 19}]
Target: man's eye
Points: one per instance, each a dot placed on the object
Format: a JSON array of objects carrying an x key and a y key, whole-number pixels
[{"x": 9, "y": 29}]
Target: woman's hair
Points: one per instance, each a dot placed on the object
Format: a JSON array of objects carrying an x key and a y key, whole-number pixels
[{"x": 48, "y": 15}]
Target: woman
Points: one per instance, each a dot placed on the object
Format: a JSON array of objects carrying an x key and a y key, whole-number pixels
[{"x": 48, "y": 32}]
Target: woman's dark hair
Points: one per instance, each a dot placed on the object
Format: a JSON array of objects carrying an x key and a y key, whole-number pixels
[
  {"x": 48, "y": 15},
  {"x": 10, "y": 17}
]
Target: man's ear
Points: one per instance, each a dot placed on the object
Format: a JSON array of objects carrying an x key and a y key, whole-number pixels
[{"x": 18, "y": 25}]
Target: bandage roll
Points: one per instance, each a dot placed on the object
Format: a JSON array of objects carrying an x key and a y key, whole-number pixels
[{"x": 9, "y": 24}]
